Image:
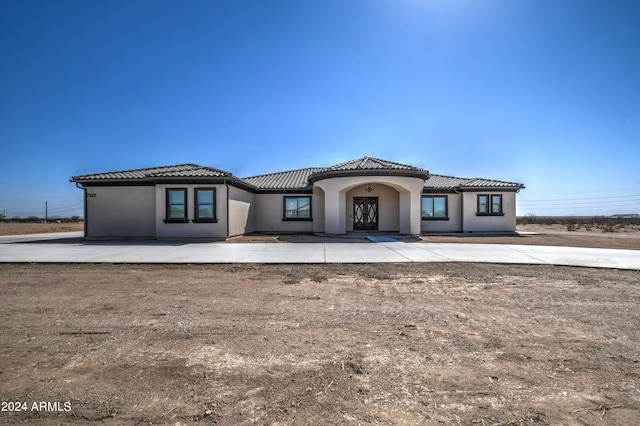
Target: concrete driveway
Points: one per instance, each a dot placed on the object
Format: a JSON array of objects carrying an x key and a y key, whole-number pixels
[{"x": 70, "y": 248}]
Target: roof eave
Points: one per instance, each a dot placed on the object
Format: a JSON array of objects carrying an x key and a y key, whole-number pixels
[
  {"x": 305, "y": 190},
  {"x": 112, "y": 182},
  {"x": 509, "y": 188},
  {"x": 448, "y": 190},
  {"x": 328, "y": 174},
  {"x": 151, "y": 181}
]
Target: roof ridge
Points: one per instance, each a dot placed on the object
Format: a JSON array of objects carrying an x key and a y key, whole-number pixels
[
  {"x": 360, "y": 163},
  {"x": 382, "y": 160},
  {"x": 192, "y": 165},
  {"x": 343, "y": 163},
  {"x": 213, "y": 168},
  {"x": 158, "y": 172}
]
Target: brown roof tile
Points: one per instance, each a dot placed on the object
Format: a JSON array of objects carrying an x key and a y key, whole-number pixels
[
  {"x": 293, "y": 179},
  {"x": 451, "y": 182},
  {"x": 371, "y": 163},
  {"x": 179, "y": 170}
]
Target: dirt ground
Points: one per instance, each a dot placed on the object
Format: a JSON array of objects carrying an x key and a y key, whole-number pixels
[
  {"x": 469, "y": 344},
  {"x": 545, "y": 235},
  {"x": 553, "y": 235},
  {"x": 15, "y": 228}
]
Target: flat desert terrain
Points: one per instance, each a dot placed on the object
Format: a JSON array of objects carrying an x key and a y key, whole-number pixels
[
  {"x": 14, "y": 228},
  {"x": 468, "y": 344},
  {"x": 541, "y": 235},
  {"x": 627, "y": 237}
]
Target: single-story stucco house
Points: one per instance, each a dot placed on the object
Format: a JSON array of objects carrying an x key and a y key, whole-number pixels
[{"x": 367, "y": 194}]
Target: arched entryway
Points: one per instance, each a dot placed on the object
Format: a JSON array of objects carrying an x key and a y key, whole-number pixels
[
  {"x": 394, "y": 200},
  {"x": 373, "y": 206}
]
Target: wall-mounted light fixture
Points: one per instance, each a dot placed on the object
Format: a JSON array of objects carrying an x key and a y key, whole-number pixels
[{"x": 369, "y": 188}]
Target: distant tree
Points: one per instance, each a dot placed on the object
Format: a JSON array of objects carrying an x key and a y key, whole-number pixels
[
  {"x": 531, "y": 218},
  {"x": 75, "y": 218}
]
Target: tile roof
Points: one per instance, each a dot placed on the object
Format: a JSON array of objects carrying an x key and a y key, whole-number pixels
[
  {"x": 451, "y": 182},
  {"x": 292, "y": 179},
  {"x": 371, "y": 163},
  {"x": 443, "y": 182},
  {"x": 179, "y": 170},
  {"x": 299, "y": 179},
  {"x": 295, "y": 179}
]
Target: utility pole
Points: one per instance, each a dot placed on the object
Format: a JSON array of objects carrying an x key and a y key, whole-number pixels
[{"x": 46, "y": 211}]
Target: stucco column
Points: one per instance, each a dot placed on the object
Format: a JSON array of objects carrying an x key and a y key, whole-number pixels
[
  {"x": 410, "y": 214},
  {"x": 334, "y": 212}
]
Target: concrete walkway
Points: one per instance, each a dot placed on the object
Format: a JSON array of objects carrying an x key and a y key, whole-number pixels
[{"x": 70, "y": 248}]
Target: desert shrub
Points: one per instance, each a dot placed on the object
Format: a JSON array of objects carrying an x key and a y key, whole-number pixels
[
  {"x": 608, "y": 227},
  {"x": 571, "y": 226},
  {"x": 585, "y": 221}
]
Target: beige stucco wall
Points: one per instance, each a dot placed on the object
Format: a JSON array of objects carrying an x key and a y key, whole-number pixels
[
  {"x": 139, "y": 211},
  {"x": 190, "y": 229},
  {"x": 474, "y": 223},
  {"x": 388, "y": 206},
  {"x": 269, "y": 214},
  {"x": 451, "y": 225},
  {"x": 241, "y": 211},
  {"x": 317, "y": 210},
  {"x": 121, "y": 211},
  {"x": 408, "y": 190}
]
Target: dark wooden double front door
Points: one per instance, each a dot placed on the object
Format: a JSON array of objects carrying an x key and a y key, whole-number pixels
[{"x": 365, "y": 213}]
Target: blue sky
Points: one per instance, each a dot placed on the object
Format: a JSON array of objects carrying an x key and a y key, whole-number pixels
[{"x": 542, "y": 92}]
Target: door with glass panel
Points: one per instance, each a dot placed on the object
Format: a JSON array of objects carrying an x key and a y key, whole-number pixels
[{"x": 365, "y": 213}]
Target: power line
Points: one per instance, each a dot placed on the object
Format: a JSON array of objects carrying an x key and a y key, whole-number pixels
[
  {"x": 64, "y": 209},
  {"x": 570, "y": 207},
  {"x": 590, "y": 203},
  {"x": 590, "y": 198}
]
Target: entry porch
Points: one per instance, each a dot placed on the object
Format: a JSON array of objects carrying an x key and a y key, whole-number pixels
[{"x": 366, "y": 204}]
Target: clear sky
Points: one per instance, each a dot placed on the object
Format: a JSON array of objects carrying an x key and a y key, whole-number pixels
[{"x": 541, "y": 92}]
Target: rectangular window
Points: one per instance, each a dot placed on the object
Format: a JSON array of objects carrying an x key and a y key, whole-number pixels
[
  {"x": 297, "y": 208},
  {"x": 490, "y": 205},
  {"x": 434, "y": 207},
  {"x": 483, "y": 204},
  {"x": 205, "y": 205},
  {"x": 176, "y": 205},
  {"x": 496, "y": 204}
]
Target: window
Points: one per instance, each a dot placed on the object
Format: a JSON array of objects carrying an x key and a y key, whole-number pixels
[
  {"x": 176, "y": 205},
  {"x": 490, "y": 205},
  {"x": 205, "y": 205},
  {"x": 297, "y": 208},
  {"x": 496, "y": 204},
  {"x": 434, "y": 207}
]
